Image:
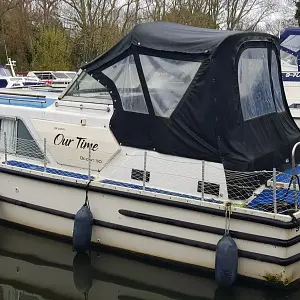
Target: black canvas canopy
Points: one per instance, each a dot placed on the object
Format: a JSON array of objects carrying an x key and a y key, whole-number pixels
[
  {"x": 164, "y": 36},
  {"x": 199, "y": 93}
]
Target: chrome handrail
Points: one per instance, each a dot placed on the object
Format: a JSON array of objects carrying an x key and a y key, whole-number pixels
[
  {"x": 21, "y": 94},
  {"x": 294, "y": 173},
  {"x": 24, "y": 100}
]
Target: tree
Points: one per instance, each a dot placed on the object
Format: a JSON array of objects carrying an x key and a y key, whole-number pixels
[
  {"x": 16, "y": 30},
  {"x": 51, "y": 50},
  {"x": 284, "y": 18},
  {"x": 185, "y": 16},
  {"x": 64, "y": 34},
  {"x": 6, "y": 5},
  {"x": 47, "y": 11},
  {"x": 245, "y": 14}
]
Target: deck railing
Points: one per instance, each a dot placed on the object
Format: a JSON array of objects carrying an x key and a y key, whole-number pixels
[{"x": 270, "y": 191}]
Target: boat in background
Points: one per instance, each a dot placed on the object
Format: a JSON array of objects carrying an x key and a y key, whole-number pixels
[
  {"x": 9, "y": 79},
  {"x": 290, "y": 64},
  {"x": 55, "y": 79},
  {"x": 18, "y": 90},
  {"x": 34, "y": 79},
  {"x": 18, "y": 87}
]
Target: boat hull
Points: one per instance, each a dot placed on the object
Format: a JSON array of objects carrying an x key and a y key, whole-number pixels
[{"x": 182, "y": 232}]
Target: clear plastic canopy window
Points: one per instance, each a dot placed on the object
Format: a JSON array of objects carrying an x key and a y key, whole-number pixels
[
  {"x": 125, "y": 77},
  {"x": 167, "y": 81},
  {"x": 276, "y": 83},
  {"x": 255, "y": 83}
]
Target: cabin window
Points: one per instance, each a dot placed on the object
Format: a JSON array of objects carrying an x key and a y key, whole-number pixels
[
  {"x": 88, "y": 89},
  {"x": 289, "y": 61},
  {"x": 125, "y": 76},
  {"x": 26, "y": 145},
  {"x": 276, "y": 83},
  {"x": 44, "y": 76},
  {"x": 60, "y": 75},
  {"x": 19, "y": 141},
  {"x": 167, "y": 81},
  {"x": 254, "y": 83},
  {"x": 8, "y": 126}
]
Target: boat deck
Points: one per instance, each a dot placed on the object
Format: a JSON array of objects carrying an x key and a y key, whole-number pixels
[
  {"x": 285, "y": 196},
  {"x": 28, "y": 100},
  {"x": 39, "y": 168},
  {"x": 284, "y": 200},
  {"x": 263, "y": 201}
]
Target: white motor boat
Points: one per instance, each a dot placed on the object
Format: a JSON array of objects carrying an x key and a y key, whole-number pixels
[
  {"x": 169, "y": 154},
  {"x": 7, "y": 80},
  {"x": 290, "y": 54},
  {"x": 55, "y": 79}
]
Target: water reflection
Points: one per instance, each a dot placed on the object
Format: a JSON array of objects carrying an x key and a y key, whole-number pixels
[
  {"x": 35, "y": 268},
  {"x": 82, "y": 273}
]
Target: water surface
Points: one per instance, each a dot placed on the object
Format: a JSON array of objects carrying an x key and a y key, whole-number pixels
[{"x": 33, "y": 267}]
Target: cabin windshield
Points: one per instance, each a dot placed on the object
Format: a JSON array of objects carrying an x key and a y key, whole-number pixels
[
  {"x": 166, "y": 81},
  {"x": 292, "y": 42},
  {"x": 88, "y": 89},
  {"x": 70, "y": 74}
]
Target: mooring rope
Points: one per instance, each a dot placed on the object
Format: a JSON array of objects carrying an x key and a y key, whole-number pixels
[
  {"x": 86, "y": 194},
  {"x": 227, "y": 217}
]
